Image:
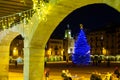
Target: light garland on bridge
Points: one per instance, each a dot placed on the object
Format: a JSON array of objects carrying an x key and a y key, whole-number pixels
[
  {"x": 40, "y": 7},
  {"x": 8, "y": 21}
]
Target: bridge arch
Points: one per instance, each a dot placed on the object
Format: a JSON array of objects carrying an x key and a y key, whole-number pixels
[
  {"x": 38, "y": 33},
  {"x": 55, "y": 16}
]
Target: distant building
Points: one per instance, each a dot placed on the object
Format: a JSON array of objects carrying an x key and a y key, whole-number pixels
[
  {"x": 67, "y": 33},
  {"x": 118, "y": 41},
  {"x": 96, "y": 41},
  {"x": 54, "y": 50},
  {"x": 68, "y": 44},
  {"x": 105, "y": 42},
  {"x": 57, "y": 49}
]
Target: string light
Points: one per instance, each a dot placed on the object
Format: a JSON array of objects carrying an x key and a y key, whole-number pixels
[
  {"x": 23, "y": 1},
  {"x": 10, "y": 21},
  {"x": 39, "y": 6}
]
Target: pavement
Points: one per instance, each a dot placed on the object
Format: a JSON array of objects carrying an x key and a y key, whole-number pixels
[
  {"x": 83, "y": 72},
  {"x": 19, "y": 76},
  {"x": 15, "y": 76}
]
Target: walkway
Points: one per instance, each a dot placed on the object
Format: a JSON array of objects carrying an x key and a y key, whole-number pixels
[
  {"x": 15, "y": 76},
  {"x": 19, "y": 76},
  {"x": 56, "y": 69}
]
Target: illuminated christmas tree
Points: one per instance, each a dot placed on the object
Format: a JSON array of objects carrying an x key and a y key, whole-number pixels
[{"x": 81, "y": 55}]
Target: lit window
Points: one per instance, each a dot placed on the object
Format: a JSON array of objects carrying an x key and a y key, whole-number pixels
[{"x": 69, "y": 32}]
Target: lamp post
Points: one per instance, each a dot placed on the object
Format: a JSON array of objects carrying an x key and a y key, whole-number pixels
[
  {"x": 15, "y": 51},
  {"x": 104, "y": 51}
]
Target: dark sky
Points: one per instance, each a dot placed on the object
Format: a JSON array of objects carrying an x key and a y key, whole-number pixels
[{"x": 93, "y": 17}]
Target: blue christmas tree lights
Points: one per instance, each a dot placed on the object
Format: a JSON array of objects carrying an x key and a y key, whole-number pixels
[{"x": 81, "y": 55}]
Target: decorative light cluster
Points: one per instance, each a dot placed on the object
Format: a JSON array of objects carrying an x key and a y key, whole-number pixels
[
  {"x": 40, "y": 7},
  {"x": 8, "y": 21}
]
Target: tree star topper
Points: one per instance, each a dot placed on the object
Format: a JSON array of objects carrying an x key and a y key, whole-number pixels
[{"x": 81, "y": 26}]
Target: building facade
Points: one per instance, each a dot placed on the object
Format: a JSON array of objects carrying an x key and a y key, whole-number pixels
[
  {"x": 96, "y": 41},
  {"x": 54, "y": 50},
  {"x": 57, "y": 50},
  {"x": 102, "y": 42},
  {"x": 105, "y": 42}
]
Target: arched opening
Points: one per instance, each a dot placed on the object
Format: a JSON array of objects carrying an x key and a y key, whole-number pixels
[
  {"x": 16, "y": 58},
  {"x": 16, "y": 47},
  {"x": 42, "y": 42},
  {"x": 96, "y": 19}
]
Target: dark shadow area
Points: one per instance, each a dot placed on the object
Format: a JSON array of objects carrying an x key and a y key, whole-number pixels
[{"x": 93, "y": 17}]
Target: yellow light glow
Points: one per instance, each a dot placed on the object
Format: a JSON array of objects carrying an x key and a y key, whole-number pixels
[
  {"x": 4, "y": 27},
  {"x": 15, "y": 51},
  {"x": 49, "y": 51},
  {"x": 104, "y": 51},
  {"x": 42, "y": 9},
  {"x": 62, "y": 51}
]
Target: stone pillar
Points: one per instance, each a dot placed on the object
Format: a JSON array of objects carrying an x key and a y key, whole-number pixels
[
  {"x": 4, "y": 62},
  {"x": 33, "y": 63}
]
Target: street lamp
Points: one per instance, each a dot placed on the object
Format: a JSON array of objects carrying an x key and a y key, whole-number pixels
[
  {"x": 104, "y": 51},
  {"x": 49, "y": 52},
  {"x": 15, "y": 51}
]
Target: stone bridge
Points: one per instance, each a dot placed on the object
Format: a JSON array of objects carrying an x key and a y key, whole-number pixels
[{"x": 37, "y": 32}]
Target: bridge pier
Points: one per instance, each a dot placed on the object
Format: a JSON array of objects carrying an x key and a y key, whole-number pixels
[
  {"x": 33, "y": 63},
  {"x": 4, "y": 62}
]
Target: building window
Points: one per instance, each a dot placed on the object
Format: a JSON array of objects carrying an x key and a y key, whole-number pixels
[
  {"x": 60, "y": 47},
  {"x": 55, "y": 52},
  {"x": 56, "y": 48}
]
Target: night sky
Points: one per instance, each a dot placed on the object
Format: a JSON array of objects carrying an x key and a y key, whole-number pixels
[{"x": 94, "y": 17}]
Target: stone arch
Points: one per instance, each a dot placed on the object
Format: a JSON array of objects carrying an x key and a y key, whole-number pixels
[
  {"x": 7, "y": 36},
  {"x": 34, "y": 45},
  {"x": 17, "y": 44},
  {"x": 55, "y": 15},
  {"x": 4, "y": 52},
  {"x": 45, "y": 28}
]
